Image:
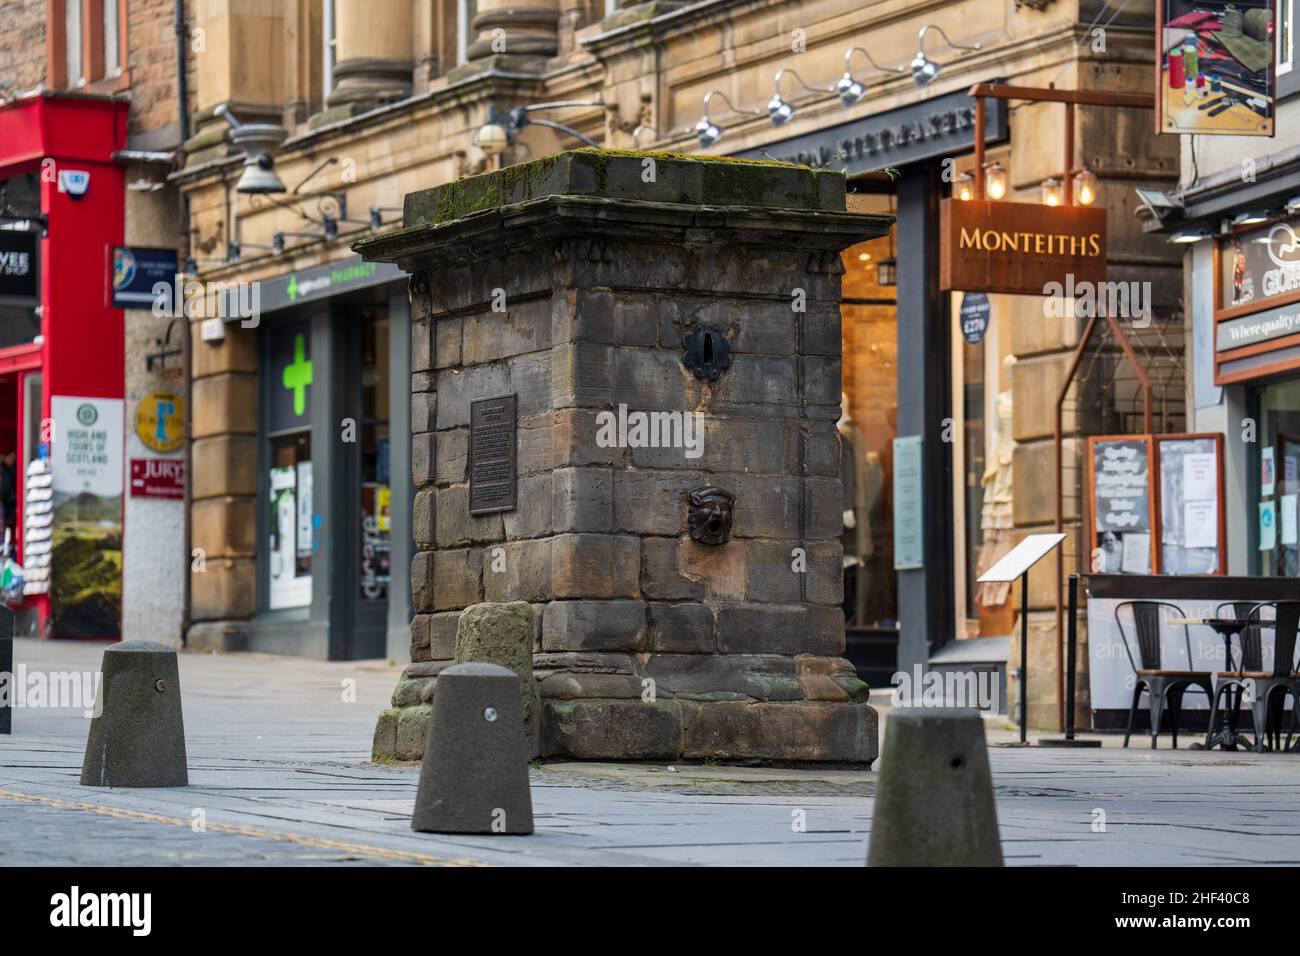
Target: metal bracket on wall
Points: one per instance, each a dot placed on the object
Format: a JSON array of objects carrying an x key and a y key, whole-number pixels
[{"x": 707, "y": 353}]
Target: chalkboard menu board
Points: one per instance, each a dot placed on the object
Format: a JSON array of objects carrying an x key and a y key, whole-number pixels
[
  {"x": 1191, "y": 504},
  {"x": 1119, "y": 491},
  {"x": 1156, "y": 504}
]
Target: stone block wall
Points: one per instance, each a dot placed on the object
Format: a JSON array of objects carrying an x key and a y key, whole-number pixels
[{"x": 571, "y": 283}]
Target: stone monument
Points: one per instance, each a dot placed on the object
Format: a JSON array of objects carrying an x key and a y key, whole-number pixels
[{"x": 625, "y": 384}]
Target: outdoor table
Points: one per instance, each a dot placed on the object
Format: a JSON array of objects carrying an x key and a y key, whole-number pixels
[{"x": 1227, "y": 736}]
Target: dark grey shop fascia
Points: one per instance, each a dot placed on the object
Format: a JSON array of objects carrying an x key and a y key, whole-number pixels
[
  {"x": 934, "y": 127},
  {"x": 321, "y": 282}
]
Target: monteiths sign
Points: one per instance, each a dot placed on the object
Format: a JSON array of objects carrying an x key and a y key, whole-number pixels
[{"x": 1019, "y": 248}]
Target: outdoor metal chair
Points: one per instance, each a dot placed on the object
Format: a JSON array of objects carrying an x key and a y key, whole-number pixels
[
  {"x": 1266, "y": 690},
  {"x": 1164, "y": 687}
]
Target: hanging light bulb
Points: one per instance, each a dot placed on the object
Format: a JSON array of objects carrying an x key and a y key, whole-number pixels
[
  {"x": 995, "y": 181},
  {"x": 1085, "y": 187},
  {"x": 1053, "y": 192}
]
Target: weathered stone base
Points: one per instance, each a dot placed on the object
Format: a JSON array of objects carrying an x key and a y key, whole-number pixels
[
  {"x": 766, "y": 707},
  {"x": 221, "y": 637}
]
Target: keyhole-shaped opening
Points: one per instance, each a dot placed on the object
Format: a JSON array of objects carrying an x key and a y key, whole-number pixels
[{"x": 708, "y": 348}]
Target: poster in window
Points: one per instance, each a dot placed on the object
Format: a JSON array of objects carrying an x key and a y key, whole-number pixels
[
  {"x": 86, "y": 560},
  {"x": 1191, "y": 501},
  {"x": 1215, "y": 69},
  {"x": 290, "y": 575}
]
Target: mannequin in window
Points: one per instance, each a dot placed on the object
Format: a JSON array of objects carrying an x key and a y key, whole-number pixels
[
  {"x": 856, "y": 537},
  {"x": 993, "y": 601}
]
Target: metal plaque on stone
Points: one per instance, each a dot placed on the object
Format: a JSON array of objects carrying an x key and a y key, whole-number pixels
[{"x": 493, "y": 484}]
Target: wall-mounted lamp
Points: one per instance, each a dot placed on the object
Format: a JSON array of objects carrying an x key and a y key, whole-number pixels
[
  {"x": 1252, "y": 217},
  {"x": 709, "y": 132},
  {"x": 1053, "y": 192},
  {"x": 995, "y": 181},
  {"x": 491, "y": 137},
  {"x": 259, "y": 142},
  {"x": 494, "y": 136},
  {"x": 1186, "y": 236},
  {"x": 778, "y": 110},
  {"x": 1293, "y": 205},
  {"x": 849, "y": 89},
  {"x": 636, "y": 134},
  {"x": 925, "y": 69}
]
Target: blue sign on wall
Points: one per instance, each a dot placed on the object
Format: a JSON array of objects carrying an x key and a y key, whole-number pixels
[
  {"x": 136, "y": 271},
  {"x": 974, "y": 317}
]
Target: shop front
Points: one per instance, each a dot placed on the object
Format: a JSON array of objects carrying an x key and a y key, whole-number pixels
[
  {"x": 333, "y": 463},
  {"x": 61, "y": 376}
]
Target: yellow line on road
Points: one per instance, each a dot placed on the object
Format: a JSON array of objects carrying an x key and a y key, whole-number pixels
[{"x": 355, "y": 849}]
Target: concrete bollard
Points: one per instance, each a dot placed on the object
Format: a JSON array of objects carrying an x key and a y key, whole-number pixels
[
  {"x": 7, "y": 669},
  {"x": 934, "y": 800},
  {"x": 138, "y": 739},
  {"x": 474, "y": 778}
]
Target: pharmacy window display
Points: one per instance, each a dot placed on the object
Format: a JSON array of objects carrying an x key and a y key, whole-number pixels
[{"x": 289, "y": 480}]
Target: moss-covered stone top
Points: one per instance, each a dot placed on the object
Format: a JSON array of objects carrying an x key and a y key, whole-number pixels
[{"x": 628, "y": 175}]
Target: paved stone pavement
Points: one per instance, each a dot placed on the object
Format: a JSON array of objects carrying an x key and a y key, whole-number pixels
[{"x": 279, "y": 775}]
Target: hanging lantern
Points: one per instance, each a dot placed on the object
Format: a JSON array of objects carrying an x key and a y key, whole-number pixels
[
  {"x": 995, "y": 181},
  {"x": 1085, "y": 187},
  {"x": 1053, "y": 192}
]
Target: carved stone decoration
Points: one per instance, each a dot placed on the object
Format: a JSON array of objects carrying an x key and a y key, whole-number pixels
[
  {"x": 707, "y": 352},
  {"x": 710, "y": 514}
]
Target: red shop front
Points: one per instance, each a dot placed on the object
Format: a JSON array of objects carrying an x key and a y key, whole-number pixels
[{"x": 61, "y": 360}]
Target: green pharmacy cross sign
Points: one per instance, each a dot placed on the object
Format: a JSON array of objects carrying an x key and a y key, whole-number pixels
[{"x": 297, "y": 374}]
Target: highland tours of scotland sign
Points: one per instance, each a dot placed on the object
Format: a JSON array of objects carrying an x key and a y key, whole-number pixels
[{"x": 1019, "y": 248}]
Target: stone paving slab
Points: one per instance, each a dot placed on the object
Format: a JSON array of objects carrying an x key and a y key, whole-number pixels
[{"x": 279, "y": 767}]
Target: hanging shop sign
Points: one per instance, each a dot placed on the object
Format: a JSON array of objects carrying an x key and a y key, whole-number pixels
[
  {"x": 135, "y": 273},
  {"x": 18, "y": 264},
  {"x": 157, "y": 478},
  {"x": 86, "y": 461},
  {"x": 1020, "y": 248},
  {"x": 160, "y": 422},
  {"x": 1215, "y": 69},
  {"x": 1257, "y": 303},
  {"x": 934, "y": 127}
]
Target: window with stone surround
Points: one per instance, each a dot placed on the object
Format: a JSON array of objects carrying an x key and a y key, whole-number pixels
[{"x": 85, "y": 44}]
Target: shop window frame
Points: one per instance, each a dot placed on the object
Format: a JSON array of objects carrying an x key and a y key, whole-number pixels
[{"x": 1288, "y": 76}]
